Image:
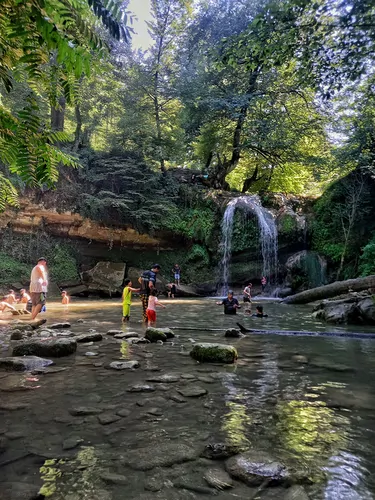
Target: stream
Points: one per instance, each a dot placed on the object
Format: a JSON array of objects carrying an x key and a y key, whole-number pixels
[{"x": 82, "y": 431}]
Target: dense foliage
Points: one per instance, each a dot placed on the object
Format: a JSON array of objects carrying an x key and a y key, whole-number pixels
[{"x": 247, "y": 96}]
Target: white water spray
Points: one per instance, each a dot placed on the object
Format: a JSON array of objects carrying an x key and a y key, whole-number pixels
[{"x": 268, "y": 236}]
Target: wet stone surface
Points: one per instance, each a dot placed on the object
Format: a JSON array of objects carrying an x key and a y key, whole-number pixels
[{"x": 178, "y": 429}]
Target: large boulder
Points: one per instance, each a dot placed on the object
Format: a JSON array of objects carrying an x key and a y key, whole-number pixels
[
  {"x": 105, "y": 277},
  {"x": 26, "y": 363},
  {"x": 367, "y": 310},
  {"x": 254, "y": 467},
  {"x": 305, "y": 269},
  {"x": 338, "y": 312},
  {"x": 214, "y": 353},
  {"x": 53, "y": 348}
]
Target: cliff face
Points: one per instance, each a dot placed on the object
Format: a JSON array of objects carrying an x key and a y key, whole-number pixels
[{"x": 31, "y": 218}]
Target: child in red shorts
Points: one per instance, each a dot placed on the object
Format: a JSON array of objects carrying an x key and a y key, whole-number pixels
[{"x": 151, "y": 308}]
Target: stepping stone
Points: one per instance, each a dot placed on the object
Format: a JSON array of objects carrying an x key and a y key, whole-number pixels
[{"x": 192, "y": 392}]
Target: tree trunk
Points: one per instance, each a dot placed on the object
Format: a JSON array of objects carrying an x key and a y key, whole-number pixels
[
  {"x": 78, "y": 130},
  {"x": 58, "y": 115},
  {"x": 331, "y": 290}
]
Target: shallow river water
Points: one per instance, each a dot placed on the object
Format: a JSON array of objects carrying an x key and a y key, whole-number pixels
[{"x": 307, "y": 401}]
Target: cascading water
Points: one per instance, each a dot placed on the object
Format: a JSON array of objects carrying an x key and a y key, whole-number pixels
[{"x": 268, "y": 236}]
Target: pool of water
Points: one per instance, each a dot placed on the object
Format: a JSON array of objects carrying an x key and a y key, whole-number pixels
[{"x": 307, "y": 401}]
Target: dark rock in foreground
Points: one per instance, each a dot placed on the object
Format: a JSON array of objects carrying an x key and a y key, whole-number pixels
[
  {"x": 59, "y": 326},
  {"x": 214, "y": 353},
  {"x": 54, "y": 348},
  {"x": 27, "y": 363},
  {"x": 217, "y": 451},
  {"x": 233, "y": 333},
  {"x": 89, "y": 337},
  {"x": 254, "y": 467},
  {"x": 160, "y": 455}
]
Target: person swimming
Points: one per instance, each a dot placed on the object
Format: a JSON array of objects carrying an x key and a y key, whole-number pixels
[{"x": 259, "y": 313}]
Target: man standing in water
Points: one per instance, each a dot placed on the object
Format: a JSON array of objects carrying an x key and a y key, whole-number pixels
[
  {"x": 38, "y": 287},
  {"x": 230, "y": 304},
  {"x": 148, "y": 283}
]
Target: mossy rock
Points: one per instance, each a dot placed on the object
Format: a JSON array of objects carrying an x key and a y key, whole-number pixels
[
  {"x": 155, "y": 334},
  {"x": 46, "y": 348},
  {"x": 214, "y": 353}
]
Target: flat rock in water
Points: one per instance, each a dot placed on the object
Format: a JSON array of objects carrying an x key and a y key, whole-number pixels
[
  {"x": 54, "y": 348},
  {"x": 112, "y": 333},
  {"x": 214, "y": 353},
  {"x": 71, "y": 443},
  {"x": 164, "y": 379},
  {"x": 192, "y": 392},
  {"x": 90, "y": 354},
  {"x": 218, "y": 478},
  {"x": 89, "y": 337},
  {"x": 111, "y": 478},
  {"x": 123, "y": 412},
  {"x": 26, "y": 363},
  {"x": 124, "y": 365},
  {"x": 13, "y": 406},
  {"x": 108, "y": 418},
  {"x": 253, "y": 467},
  {"x": 59, "y": 326},
  {"x": 295, "y": 493},
  {"x": 123, "y": 335},
  {"x": 160, "y": 455},
  {"x": 141, "y": 388},
  {"x": 85, "y": 410}
]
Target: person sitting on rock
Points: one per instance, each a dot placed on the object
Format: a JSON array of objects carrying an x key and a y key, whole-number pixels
[
  {"x": 11, "y": 297},
  {"x": 230, "y": 304},
  {"x": 153, "y": 301},
  {"x": 65, "y": 298},
  {"x": 26, "y": 300},
  {"x": 259, "y": 313}
]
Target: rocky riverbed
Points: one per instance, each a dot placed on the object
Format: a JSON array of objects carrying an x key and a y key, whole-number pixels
[{"x": 90, "y": 410}]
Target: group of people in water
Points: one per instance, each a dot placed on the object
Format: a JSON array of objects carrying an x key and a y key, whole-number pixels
[
  {"x": 149, "y": 296},
  {"x": 33, "y": 302},
  {"x": 148, "y": 293}
]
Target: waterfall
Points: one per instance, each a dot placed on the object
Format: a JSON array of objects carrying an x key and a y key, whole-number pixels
[{"x": 268, "y": 237}]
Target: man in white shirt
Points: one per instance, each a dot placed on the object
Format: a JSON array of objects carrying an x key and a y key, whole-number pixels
[{"x": 38, "y": 287}]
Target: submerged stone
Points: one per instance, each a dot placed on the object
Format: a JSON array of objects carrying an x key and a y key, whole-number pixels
[
  {"x": 59, "y": 326},
  {"x": 192, "y": 392},
  {"x": 218, "y": 478},
  {"x": 124, "y": 365},
  {"x": 214, "y": 353},
  {"x": 108, "y": 418},
  {"x": 54, "y": 348},
  {"x": 89, "y": 337},
  {"x": 26, "y": 363},
  {"x": 112, "y": 478},
  {"x": 164, "y": 379},
  {"x": 159, "y": 455},
  {"x": 253, "y": 467},
  {"x": 295, "y": 493},
  {"x": 85, "y": 410},
  {"x": 71, "y": 442}
]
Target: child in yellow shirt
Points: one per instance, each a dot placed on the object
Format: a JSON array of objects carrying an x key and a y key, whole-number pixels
[{"x": 127, "y": 299}]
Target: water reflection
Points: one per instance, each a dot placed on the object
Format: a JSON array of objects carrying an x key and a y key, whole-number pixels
[
  {"x": 235, "y": 423},
  {"x": 310, "y": 428}
]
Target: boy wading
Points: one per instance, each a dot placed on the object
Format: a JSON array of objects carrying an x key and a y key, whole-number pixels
[{"x": 148, "y": 283}]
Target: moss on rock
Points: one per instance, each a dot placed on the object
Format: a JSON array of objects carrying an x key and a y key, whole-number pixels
[
  {"x": 214, "y": 353},
  {"x": 155, "y": 334}
]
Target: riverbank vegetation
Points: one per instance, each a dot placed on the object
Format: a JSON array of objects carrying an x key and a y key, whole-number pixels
[{"x": 249, "y": 97}]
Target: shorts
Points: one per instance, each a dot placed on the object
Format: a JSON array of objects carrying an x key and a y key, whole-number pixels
[
  {"x": 176, "y": 276},
  {"x": 246, "y": 299},
  {"x": 38, "y": 298},
  {"x": 126, "y": 310},
  {"x": 151, "y": 315}
]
